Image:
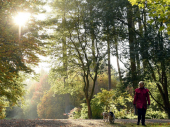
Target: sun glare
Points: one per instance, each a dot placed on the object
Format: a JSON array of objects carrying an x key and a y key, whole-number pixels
[{"x": 22, "y": 18}]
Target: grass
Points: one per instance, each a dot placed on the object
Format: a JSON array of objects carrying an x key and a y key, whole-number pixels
[
  {"x": 7, "y": 118},
  {"x": 134, "y": 125}
]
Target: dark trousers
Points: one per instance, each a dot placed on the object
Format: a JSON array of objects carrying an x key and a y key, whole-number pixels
[{"x": 141, "y": 114}]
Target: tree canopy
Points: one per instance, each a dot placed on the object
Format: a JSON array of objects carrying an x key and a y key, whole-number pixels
[
  {"x": 158, "y": 9},
  {"x": 17, "y": 53}
]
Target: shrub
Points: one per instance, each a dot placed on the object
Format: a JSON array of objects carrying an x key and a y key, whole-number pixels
[
  {"x": 84, "y": 111},
  {"x": 119, "y": 103},
  {"x": 96, "y": 111},
  {"x": 155, "y": 114},
  {"x": 121, "y": 114},
  {"x": 75, "y": 113}
]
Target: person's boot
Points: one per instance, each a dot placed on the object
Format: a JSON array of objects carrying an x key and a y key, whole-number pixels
[
  {"x": 143, "y": 121},
  {"x": 143, "y": 124},
  {"x": 138, "y": 122}
]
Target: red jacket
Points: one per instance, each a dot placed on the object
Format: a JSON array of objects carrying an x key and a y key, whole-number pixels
[{"x": 141, "y": 98}]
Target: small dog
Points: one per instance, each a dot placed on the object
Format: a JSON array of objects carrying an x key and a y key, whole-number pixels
[{"x": 108, "y": 116}]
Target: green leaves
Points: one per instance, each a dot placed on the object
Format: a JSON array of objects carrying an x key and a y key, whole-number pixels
[
  {"x": 161, "y": 28},
  {"x": 157, "y": 9}
]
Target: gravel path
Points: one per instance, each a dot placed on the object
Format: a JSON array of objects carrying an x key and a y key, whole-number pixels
[{"x": 70, "y": 122}]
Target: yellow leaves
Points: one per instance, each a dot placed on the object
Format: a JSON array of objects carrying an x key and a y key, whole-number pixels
[
  {"x": 168, "y": 32},
  {"x": 105, "y": 97},
  {"x": 133, "y": 2},
  {"x": 141, "y": 3},
  {"x": 157, "y": 8},
  {"x": 164, "y": 21}
]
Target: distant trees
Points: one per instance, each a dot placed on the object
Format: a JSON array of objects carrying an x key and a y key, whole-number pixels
[
  {"x": 51, "y": 106},
  {"x": 34, "y": 95}
]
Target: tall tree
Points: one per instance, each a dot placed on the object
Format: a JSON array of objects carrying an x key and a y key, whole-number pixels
[
  {"x": 131, "y": 44},
  {"x": 16, "y": 54},
  {"x": 83, "y": 44}
]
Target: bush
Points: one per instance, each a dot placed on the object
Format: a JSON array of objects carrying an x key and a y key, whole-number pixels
[
  {"x": 120, "y": 104},
  {"x": 155, "y": 114},
  {"x": 75, "y": 113},
  {"x": 84, "y": 111},
  {"x": 121, "y": 114},
  {"x": 96, "y": 108}
]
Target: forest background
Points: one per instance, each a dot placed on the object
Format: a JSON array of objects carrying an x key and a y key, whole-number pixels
[{"x": 79, "y": 38}]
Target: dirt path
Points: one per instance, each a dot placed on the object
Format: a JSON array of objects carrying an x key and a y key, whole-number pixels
[{"x": 70, "y": 122}]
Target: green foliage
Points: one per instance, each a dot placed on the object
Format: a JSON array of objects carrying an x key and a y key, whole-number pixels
[
  {"x": 122, "y": 114},
  {"x": 11, "y": 94},
  {"x": 104, "y": 99},
  {"x": 79, "y": 49},
  {"x": 120, "y": 106},
  {"x": 3, "y": 104},
  {"x": 96, "y": 111},
  {"x": 158, "y": 9},
  {"x": 109, "y": 101},
  {"x": 151, "y": 114},
  {"x": 102, "y": 80},
  {"x": 155, "y": 93},
  {"x": 97, "y": 108},
  {"x": 84, "y": 111},
  {"x": 75, "y": 113},
  {"x": 73, "y": 84},
  {"x": 155, "y": 52}
]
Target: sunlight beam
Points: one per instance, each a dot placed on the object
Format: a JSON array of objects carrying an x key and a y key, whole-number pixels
[{"x": 21, "y": 20}]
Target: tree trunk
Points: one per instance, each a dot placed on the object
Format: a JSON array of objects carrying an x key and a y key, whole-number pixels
[
  {"x": 88, "y": 99},
  {"x": 132, "y": 46},
  {"x": 117, "y": 57},
  {"x": 109, "y": 69},
  {"x": 162, "y": 89},
  {"x": 138, "y": 44},
  {"x": 143, "y": 46},
  {"x": 164, "y": 79},
  {"x": 169, "y": 114},
  {"x": 89, "y": 108},
  {"x": 64, "y": 48}
]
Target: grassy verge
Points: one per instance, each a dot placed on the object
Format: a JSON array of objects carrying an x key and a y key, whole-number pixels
[{"x": 134, "y": 125}]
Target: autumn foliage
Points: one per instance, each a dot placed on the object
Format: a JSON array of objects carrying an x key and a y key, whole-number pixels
[{"x": 51, "y": 106}]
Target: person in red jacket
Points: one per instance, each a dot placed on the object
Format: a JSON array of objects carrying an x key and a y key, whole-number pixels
[{"x": 140, "y": 101}]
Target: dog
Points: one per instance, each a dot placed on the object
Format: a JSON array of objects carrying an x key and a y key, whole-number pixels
[{"x": 108, "y": 117}]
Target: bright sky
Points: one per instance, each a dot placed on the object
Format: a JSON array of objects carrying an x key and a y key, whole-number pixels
[
  {"x": 43, "y": 65},
  {"x": 46, "y": 65}
]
